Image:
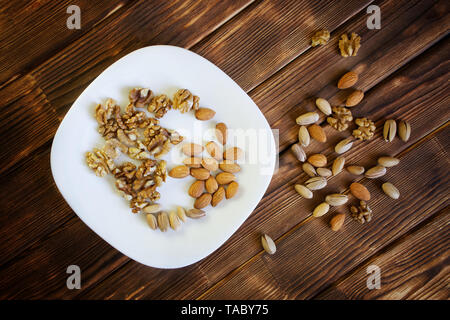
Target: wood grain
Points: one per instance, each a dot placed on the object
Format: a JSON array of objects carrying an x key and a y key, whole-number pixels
[
  {"x": 278, "y": 211},
  {"x": 32, "y": 30},
  {"x": 416, "y": 267},
  {"x": 326, "y": 254}
]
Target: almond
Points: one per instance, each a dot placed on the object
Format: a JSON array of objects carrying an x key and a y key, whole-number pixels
[
  {"x": 217, "y": 196},
  {"x": 200, "y": 173},
  {"x": 196, "y": 189},
  {"x": 307, "y": 118},
  {"x": 202, "y": 201},
  {"x": 195, "y": 213},
  {"x": 221, "y": 132},
  {"x": 337, "y": 221},
  {"x": 229, "y": 166},
  {"x": 191, "y": 149},
  {"x": 404, "y": 130},
  {"x": 179, "y": 172},
  {"x": 321, "y": 209},
  {"x": 214, "y": 150},
  {"x": 204, "y": 114},
  {"x": 347, "y": 80},
  {"x": 323, "y": 106},
  {"x": 225, "y": 178},
  {"x": 211, "y": 185},
  {"x": 210, "y": 164},
  {"x": 193, "y": 162},
  {"x": 233, "y": 153},
  {"x": 303, "y": 136},
  {"x": 231, "y": 189},
  {"x": 359, "y": 191},
  {"x": 354, "y": 98},
  {"x": 317, "y": 133},
  {"x": 318, "y": 160},
  {"x": 356, "y": 170}
]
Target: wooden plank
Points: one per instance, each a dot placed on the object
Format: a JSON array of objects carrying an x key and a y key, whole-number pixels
[
  {"x": 326, "y": 255},
  {"x": 257, "y": 44},
  {"x": 63, "y": 77},
  {"x": 31, "y": 30},
  {"x": 408, "y": 28},
  {"x": 278, "y": 211},
  {"x": 416, "y": 267}
]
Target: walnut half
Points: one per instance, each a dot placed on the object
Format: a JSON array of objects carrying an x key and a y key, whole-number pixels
[{"x": 349, "y": 47}]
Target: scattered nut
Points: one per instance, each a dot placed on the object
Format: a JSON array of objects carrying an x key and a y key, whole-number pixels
[
  {"x": 320, "y": 37},
  {"x": 354, "y": 98},
  {"x": 268, "y": 244},
  {"x": 316, "y": 183},
  {"x": 359, "y": 191},
  {"x": 347, "y": 80},
  {"x": 388, "y": 161},
  {"x": 338, "y": 165},
  {"x": 363, "y": 213},
  {"x": 317, "y": 133},
  {"x": 303, "y": 136},
  {"x": 356, "y": 170},
  {"x": 303, "y": 191},
  {"x": 343, "y": 146},
  {"x": 324, "y": 106},
  {"x": 336, "y": 199},
  {"x": 337, "y": 221},
  {"x": 309, "y": 169},
  {"x": 349, "y": 47},
  {"x": 299, "y": 153},
  {"x": 389, "y": 130},
  {"x": 404, "y": 130},
  {"x": 375, "y": 172},
  {"x": 366, "y": 129},
  {"x": 390, "y": 190},
  {"x": 340, "y": 119},
  {"x": 307, "y": 118},
  {"x": 321, "y": 209},
  {"x": 324, "y": 172},
  {"x": 317, "y": 160}
]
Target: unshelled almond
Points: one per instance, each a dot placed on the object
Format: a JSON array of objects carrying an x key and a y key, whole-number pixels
[
  {"x": 359, "y": 191},
  {"x": 375, "y": 172},
  {"x": 324, "y": 172},
  {"x": 196, "y": 189},
  {"x": 316, "y": 183},
  {"x": 390, "y": 190},
  {"x": 217, "y": 196},
  {"x": 336, "y": 199},
  {"x": 221, "y": 132},
  {"x": 200, "y": 173},
  {"x": 303, "y": 191},
  {"x": 210, "y": 164},
  {"x": 354, "y": 98},
  {"x": 195, "y": 213},
  {"x": 193, "y": 162},
  {"x": 204, "y": 114},
  {"x": 181, "y": 213},
  {"x": 163, "y": 221},
  {"x": 321, "y": 209},
  {"x": 233, "y": 153},
  {"x": 317, "y": 133},
  {"x": 174, "y": 221},
  {"x": 211, "y": 185},
  {"x": 343, "y": 146},
  {"x": 404, "y": 130},
  {"x": 268, "y": 244},
  {"x": 151, "y": 220},
  {"x": 338, "y": 165},
  {"x": 324, "y": 106},
  {"x": 309, "y": 169},
  {"x": 225, "y": 178},
  {"x": 214, "y": 150},
  {"x": 389, "y": 130},
  {"x": 179, "y": 172},
  {"x": 388, "y": 161},
  {"x": 347, "y": 80},
  {"x": 317, "y": 160},
  {"x": 307, "y": 118},
  {"x": 303, "y": 136},
  {"x": 191, "y": 149},
  {"x": 337, "y": 221},
  {"x": 299, "y": 153},
  {"x": 232, "y": 189},
  {"x": 229, "y": 166},
  {"x": 152, "y": 208},
  {"x": 356, "y": 170},
  {"x": 202, "y": 201}
]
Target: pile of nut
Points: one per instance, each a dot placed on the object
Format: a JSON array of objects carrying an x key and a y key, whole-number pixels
[
  {"x": 214, "y": 174},
  {"x": 143, "y": 141},
  {"x": 340, "y": 117}
]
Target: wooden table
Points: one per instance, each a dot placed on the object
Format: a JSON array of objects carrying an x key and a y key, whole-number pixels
[{"x": 265, "y": 47}]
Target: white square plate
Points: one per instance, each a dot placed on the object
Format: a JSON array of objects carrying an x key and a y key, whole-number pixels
[{"x": 163, "y": 69}]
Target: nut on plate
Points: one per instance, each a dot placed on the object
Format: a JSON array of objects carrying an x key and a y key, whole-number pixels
[
  {"x": 211, "y": 185},
  {"x": 218, "y": 196},
  {"x": 221, "y": 132},
  {"x": 204, "y": 114}
]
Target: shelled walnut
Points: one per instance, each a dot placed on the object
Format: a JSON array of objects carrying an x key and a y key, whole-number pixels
[
  {"x": 99, "y": 161},
  {"x": 140, "y": 97},
  {"x": 160, "y": 105},
  {"x": 349, "y": 47},
  {"x": 366, "y": 129},
  {"x": 184, "y": 101},
  {"x": 320, "y": 37},
  {"x": 362, "y": 213},
  {"x": 340, "y": 118}
]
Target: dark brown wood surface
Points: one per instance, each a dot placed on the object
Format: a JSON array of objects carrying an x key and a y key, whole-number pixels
[{"x": 265, "y": 47}]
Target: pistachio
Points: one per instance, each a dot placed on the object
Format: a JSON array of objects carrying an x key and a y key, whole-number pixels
[
  {"x": 195, "y": 213},
  {"x": 163, "y": 221},
  {"x": 389, "y": 130},
  {"x": 324, "y": 106},
  {"x": 338, "y": 165},
  {"x": 174, "y": 221},
  {"x": 336, "y": 199},
  {"x": 321, "y": 209},
  {"x": 303, "y": 136},
  {"x": 299, "y": 152},
  {"x": 151, "y": 220},
  {"x": 356, "y": 170},
  {"x": 388, "y": 161},
  {"x": 309, "y": 169},
  {"x": 268, "y": 244},
  {"x": 316, "y": 183},
  {"x": 181, "y": 213},
  {"x": 404, "y": 130},
  {"x": 390, "y": 190},
  {"x": 303, "y": 191},
  {"x": 343, "y": 146},
  {"x": 307, "y": 118},
  {"x": 324, "y": 172},
  {"x": 152, "y": 208},
  {"x": 375, "y": 172}
]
